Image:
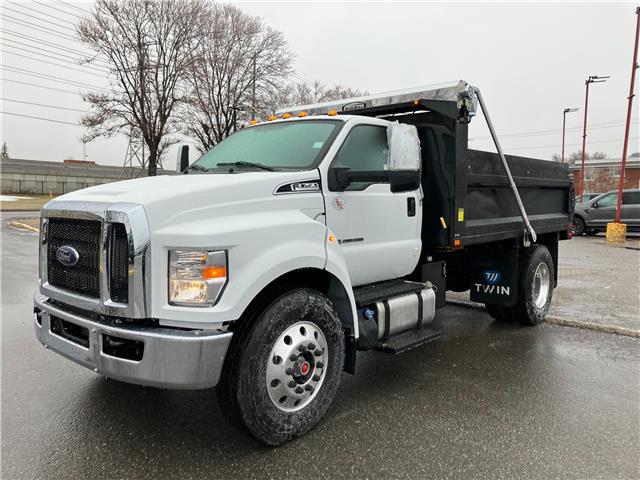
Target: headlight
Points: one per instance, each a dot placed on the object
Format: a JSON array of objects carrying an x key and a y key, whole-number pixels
[{"x": 196, "y": 277}]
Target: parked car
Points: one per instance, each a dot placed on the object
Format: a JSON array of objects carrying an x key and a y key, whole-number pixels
[
  {"x": 593, "y": 218},
  {"x": 584, "y": 200}
]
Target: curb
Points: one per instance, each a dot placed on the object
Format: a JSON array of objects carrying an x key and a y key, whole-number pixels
[{"x": 567, "y": 322}]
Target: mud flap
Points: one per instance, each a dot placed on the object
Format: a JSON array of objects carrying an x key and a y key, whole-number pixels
[
  {"x": 494, "y": 276},
  {"x": 350, "y": 350}
]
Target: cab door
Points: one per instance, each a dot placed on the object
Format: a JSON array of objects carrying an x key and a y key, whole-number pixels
[
  {"x": 603, "y": 211},
  {"x": 630, "y": 209},
  {"x": 378, "y": 231}
]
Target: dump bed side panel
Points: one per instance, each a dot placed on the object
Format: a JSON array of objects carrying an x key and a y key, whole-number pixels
[
  {"x": 490, "y": 210},
  {"x": 467, "y": 196}
]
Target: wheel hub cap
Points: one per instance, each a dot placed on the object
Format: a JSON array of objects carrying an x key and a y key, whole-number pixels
[
  {"x": 541, "y": 285},
  {"x": 296, "y": 366}
]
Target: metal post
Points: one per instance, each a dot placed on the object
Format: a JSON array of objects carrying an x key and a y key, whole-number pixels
[
  {"x": 584, "y": 137},
  {"x": 253, "y": 103},
  {"x": 523, "y": 213},
  {"x": 623, "y": 165},
  {"x": 564, "y": 122},
  {"x": 590, "y": 80}
]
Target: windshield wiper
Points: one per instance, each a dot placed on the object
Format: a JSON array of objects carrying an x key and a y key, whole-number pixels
[
  {"x": 195, "y": 166},
  {"x": 242, "y": 163}
]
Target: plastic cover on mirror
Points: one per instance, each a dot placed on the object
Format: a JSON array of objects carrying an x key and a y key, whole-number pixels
[{"x": 404, "y": 147}]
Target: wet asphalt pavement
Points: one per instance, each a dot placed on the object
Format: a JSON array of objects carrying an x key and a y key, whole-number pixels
[{"x": 484, "y": 401}]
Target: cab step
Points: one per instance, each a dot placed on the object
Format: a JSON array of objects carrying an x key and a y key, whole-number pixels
[{"x": 407, "y": 340}]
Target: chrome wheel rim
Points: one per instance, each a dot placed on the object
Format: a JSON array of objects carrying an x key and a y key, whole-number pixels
[
  {"x": 541, "y": 285},
  {"x": 296, "y": 366}
]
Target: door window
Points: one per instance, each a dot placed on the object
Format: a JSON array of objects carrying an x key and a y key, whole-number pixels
[
  {"x": 631, "y": 198},
  {"x": 365, "y": 149},
  {"x": 608, "y": 200}
]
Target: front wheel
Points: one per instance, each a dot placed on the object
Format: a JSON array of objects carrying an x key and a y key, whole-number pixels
[
  {"x": 578, "y": 227},
  {"x": 282, "y": 377},
  {"x": 536, "y": 286}
]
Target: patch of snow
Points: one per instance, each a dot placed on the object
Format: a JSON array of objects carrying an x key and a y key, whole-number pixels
[{"x": 12, "y": 198}]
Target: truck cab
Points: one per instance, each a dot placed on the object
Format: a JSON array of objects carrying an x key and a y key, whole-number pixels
[{"x": 265, "y": 266}]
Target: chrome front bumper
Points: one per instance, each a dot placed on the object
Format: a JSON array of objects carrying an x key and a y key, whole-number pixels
[{"x": 182, "y": 359}]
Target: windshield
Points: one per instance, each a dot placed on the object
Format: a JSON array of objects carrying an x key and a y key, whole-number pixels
[{"x": 288, "y": 145}]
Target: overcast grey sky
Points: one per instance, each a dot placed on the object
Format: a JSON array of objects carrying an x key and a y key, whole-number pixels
[{"x": 529, "y": 59}]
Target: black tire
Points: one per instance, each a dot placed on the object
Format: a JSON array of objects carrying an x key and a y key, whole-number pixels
[
  {"x": 578, "y": 228},
  {"x": 243, "y": 389},
  {"x": 526, "y": 310},
  {"x": 499, "y": 313}
]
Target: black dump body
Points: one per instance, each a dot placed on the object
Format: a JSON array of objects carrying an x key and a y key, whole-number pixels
[{"x": 468, "y": 199}]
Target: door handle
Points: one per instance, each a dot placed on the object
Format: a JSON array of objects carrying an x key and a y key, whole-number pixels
[{"x": 411, "y": 207}]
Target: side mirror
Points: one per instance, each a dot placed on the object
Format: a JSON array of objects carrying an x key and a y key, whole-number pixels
[
  {"x": 404, "y": 180},
  {"x": 182, "y": 162},
  {"x": 399, "y": 180}
]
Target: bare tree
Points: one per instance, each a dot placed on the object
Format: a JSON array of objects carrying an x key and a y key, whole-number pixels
[
  {"x": 303, "y": 93},
  {"x": 240, "y": 61},
  {"x": 149, "y": 47},
  {"x": 4, "y": 152}
]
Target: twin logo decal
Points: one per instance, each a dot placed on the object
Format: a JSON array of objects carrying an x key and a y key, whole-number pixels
[{"x": 491, "y": 279}]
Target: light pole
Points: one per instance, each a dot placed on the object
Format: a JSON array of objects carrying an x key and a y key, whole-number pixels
[
  {"x": 589, "y": 81},
  {"x": 564, "y": 124},
  {"x": 629, "y": 108}
]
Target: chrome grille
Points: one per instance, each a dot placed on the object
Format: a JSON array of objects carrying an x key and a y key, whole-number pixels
[
  {"x": 85, "y": 237},
  {"x": 118, "y": 235}
]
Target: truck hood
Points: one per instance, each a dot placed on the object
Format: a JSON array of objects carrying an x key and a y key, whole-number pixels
[{"x": 165, "y": 197}]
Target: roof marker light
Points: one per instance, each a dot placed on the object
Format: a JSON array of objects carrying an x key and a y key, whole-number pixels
[
  {"x": 286, "y": 115},
  {"x": 331, "y": 113},
  {"x": 253, "y": 121},
  {"x": 272, "y": 118},
  {"x": 303, "y": 114}
]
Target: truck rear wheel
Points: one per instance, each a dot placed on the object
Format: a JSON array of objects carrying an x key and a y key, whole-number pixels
[
  {"x": 536, "y": 286},
  {"x": 283, "y": 374}
]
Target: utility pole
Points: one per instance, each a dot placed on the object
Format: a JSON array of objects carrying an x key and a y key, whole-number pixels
[
  {"x": 634, "y": 67},
  {"x": 253, "y": 95},
  {"x": 564, "y": 124},
  {"x": 589, "y": 81}
]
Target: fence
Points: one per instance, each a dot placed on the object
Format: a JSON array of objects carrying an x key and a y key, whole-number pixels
[{"x": 36, "y": 177}]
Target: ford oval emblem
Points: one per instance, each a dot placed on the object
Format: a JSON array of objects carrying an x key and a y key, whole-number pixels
[{"x": 67, "y": 256}]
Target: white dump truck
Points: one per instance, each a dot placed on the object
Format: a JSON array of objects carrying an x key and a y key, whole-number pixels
[{"x": 266, "y": 265}]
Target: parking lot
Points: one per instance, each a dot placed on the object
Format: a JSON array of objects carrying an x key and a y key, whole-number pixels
[{"x": 485, "y": 401}]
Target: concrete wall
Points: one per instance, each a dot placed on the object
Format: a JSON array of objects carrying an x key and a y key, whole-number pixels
[{"x": 37, "y": 177}]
